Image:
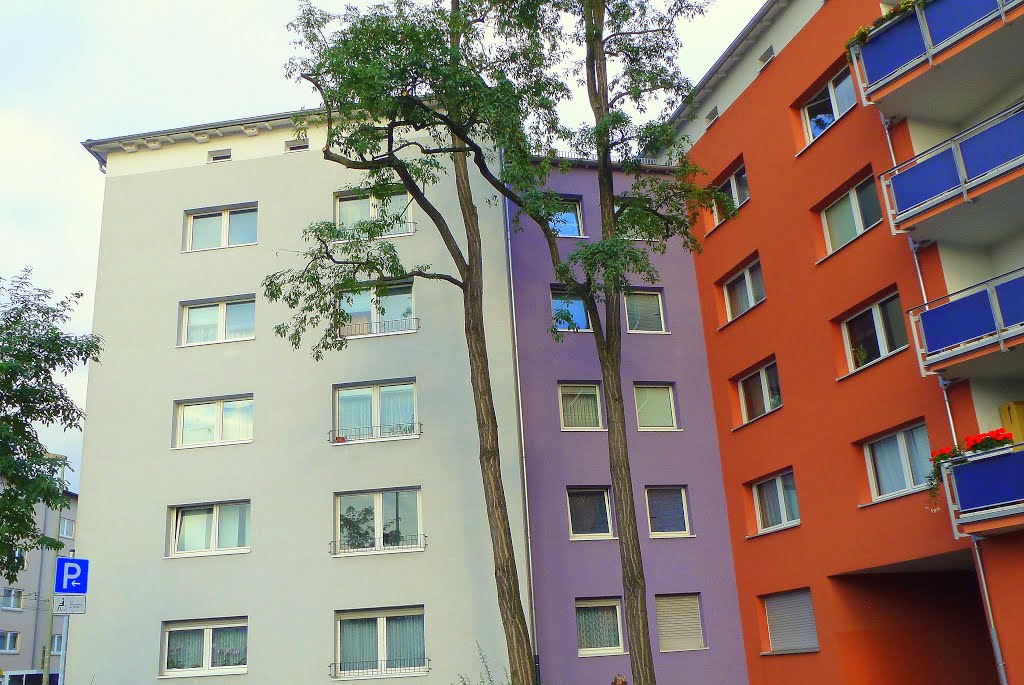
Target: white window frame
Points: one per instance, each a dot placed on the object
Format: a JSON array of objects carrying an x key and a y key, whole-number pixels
[
  {"x": 600, "y": 411},
  {"x": 780, "y": 491},
  {"x": 215, "y": 549},
  {"x": 375, "y": 207},
  {"x": 66, "y": 531},
  {"x": 382, "y": 641},
  {"x": 222, "y": 321},
  {"x": 858, "y": 215},
  {"x": 883, "y": 345},
  {"x": 908, "y": 473},
  {"x": 768, "y": 409},
  {"x": 5, "y": 641},
  {"x": 57, "y": 644},
  {"x": 830, "y": 85},
  {"x": 610, "y": 535},
  {"x": 603, "y": 602},
  {"x": 218, "y": 431},
  {"x": 734, "y": 192},
  {"x": 557, "y": 295},
  {"x": 577, "y": 204},
  {"x": 207, "y": 626},
  {"x": 17, "y": 596},
  {"x": 375, "y": 428},
  {"x": 744, "y": 274},
  {"x": 376, "y": 320},
  {"x": 686, "y": 513},
  {"x": 224, "y": 225},
  {"x": 378, "y": 524},
  {"x": 661, "y": 309},
  {"x": 671, "y": 403}
]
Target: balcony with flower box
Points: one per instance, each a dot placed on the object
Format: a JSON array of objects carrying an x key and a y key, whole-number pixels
[
  {"x": 939, "y": 60},
  {"x": 985, "y": 484}
]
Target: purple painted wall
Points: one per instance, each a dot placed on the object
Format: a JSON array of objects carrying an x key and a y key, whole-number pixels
[{"x": 564, "y": 569}]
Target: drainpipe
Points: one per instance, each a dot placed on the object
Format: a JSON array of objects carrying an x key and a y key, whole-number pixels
[
  {"x": 39, "y": 590},
  {"x": 993, "y": 633}
]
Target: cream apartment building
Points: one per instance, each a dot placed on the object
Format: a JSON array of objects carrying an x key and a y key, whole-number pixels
[{"x": 252, "y": 513}]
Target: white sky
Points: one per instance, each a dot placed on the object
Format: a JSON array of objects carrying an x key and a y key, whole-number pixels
[{"x": 99, "y": 68}]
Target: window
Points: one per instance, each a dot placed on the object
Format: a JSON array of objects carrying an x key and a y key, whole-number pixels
[
  {"x": 57, "y": 644},
  {"x": 358, "y": 206},
  {"x": 899, "y": 462},
  {"x": 655, "y": 407},
  {"x": 588, "y": 514},
  {"x": 735, "y": 187},
  {"x": 667, "y": 512},
  {"x": 218, "y": 321},
  {"x": 644, "y": 312},
  {"x": 766, "y": 57},
  {"x": 744, "y": 290},
  {"x": 219, "y": 155},
  {"x": 376, "y": 411},
  {"x": 380, "y": 315},
  {"x": 378, "y": 521},
  {"x": 215, "y": 422},
  {"x": 875, "y": 332},
  {"x": 380, "y": 641},
  {"x": 12, "y": 599},
  {"x": 710, "y": 117},
  {"x": 205, "y": 647},
  {"x": 8, "y": 642},
  {"x": 569, "y": 308},
  {"x": 679, "y": 625},
  {"x": 227, "y": 228},
  {"x": 760, "y": 392},
  {"x": 297, "y": 145},
  {"x": 579, "y": 407},
  {"x": 67, "y": 528},
  {"x": 852, "y": 214},
  {"x": 211, "y": 528},
  {"x": 567, "y": 222},
  {"x": 599, "y": 626},
  {"x": 775, "y": 502},
  {"x": 834, "y": 100},
  {"x": 791, "y": 626}
]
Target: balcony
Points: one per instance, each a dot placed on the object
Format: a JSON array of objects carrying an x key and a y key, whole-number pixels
[
  {"x": 955, "y": 334},
  {"x": 370, "y": 328},
  {"x": 979, "y": 56},
  {"x": 986, "y": 490},
  {"x": 393, "y": 431},
  {"x": 371, "y": 669},
  {"x": 965, "y": 190}
]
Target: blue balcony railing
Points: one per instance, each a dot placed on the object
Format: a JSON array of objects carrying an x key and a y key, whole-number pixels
[
  {"x": 987, "y": 313},
  {"x": 899, "y": 45},
  {"x": 987, "y": 484},
  {"x": 960, "y": 164}
]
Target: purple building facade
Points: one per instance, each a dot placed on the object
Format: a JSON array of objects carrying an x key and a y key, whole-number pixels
[{"x": 692, "y": 598}]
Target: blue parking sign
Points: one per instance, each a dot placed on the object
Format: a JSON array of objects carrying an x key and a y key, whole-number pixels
[{"x": 72, "y": 577}]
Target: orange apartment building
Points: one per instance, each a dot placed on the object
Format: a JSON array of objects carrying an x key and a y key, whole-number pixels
[{"x": 861, "y": 308}]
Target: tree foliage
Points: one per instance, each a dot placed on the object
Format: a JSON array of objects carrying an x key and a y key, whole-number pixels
[{"x": 33, "y": 348}]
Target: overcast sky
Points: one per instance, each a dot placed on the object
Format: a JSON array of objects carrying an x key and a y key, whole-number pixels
[{"x": 82, "y": 69}]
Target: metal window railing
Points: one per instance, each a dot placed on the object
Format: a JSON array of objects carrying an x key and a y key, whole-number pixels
[
  {"x": 370, "y": 544},
  {"x": 405, "y": 325},
  {"x": 394, "y": 430},
  {"x": 356, "y": 669},
  {"x": 400, "y": 228},
  {"x": 986, "y": 313},
  {"x": 956, "y": 166}
]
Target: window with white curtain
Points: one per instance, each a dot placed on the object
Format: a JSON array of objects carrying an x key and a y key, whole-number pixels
[
  {"x": 214, "y": 422},
  {"x": 655, "y": 407},
  {"x": 372, "y": 314},
  {"x": 644, "y": 312},
  {"x": 210, "y": 528},
  {"x": 667, "y": 512},
  {"x": 599, "y": 626},
  {"x": 579, "y": 406},
  {"x": 224, "y": 228},
  {"x": 208, "y": 647},
  {"x": 378, "y": 521},
  {"x": 375, "y": 411},
  {"x": 221, "y": 321},
  {"x": 380, "y": 642},
  {"x": 9, "y": 642},
  {"x": 899, "y": 462},
  {"x": 791, "y": 624},
  {"x": 852, "y": 214},
  {"x": 12, "y": 599},
  {"x": 776, "y": 503},
  {"x": 679, "y": 624},
  {"x": 744, "y": 290},
  {"x": 589, "y": 514}
]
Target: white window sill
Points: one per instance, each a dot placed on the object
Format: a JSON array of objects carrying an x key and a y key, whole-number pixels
[
  {"x": 374, "y": 552},
  {"x": 403, "y": 234},
  {"x": 379, "y": 335},
  {"x": 4, "y": 651},
  {"x": 822, "y": 134},
  {"x": 590, "y": 538},
  {"x": 370, "y": 676},
  {"x": 580, "y": 330},
  {"x": 649, "y": 332},
  {"x": 775, "y": 529},
  {"x": 18, "y": 609},
  {"x": 207, "y": 553},
  {"x": 847, "y": 244},
  {"x": 212, "y": 444},
  {"x": 783, "y": 652},
  {"x": 671, "y": 536},
  {"x": 757, "y": 418},
  {"x": 573, "y": 237},
  {"x": 199, "y": 674},
  {"x": 692, "y": 649},
  {"x": 743, "y": 313},
  {"x": 584, "y": 430},
  {"x": 363, "y": 441},
  {"x": 873, "y": 362},
  {"x": 214, "y": 342},
  {"x": 894, "y": 495},
  {"x": 211, "y": 249},
  {"x": 672, "y": 429},
  {"x": 601, "y": 652}
]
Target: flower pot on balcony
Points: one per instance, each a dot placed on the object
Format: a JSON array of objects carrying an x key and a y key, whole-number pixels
[{"x": 339, "y": 438}]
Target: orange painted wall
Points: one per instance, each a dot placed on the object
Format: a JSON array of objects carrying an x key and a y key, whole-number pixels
[
  {"x": 821, "y": 427},
  {"x": 1003, "y": 559}
]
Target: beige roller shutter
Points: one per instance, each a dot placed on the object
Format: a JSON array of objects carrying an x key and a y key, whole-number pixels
[{"x": 679, "y": 626}]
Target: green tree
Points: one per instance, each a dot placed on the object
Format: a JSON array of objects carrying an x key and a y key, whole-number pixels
[{"x": 33, "y": 348}]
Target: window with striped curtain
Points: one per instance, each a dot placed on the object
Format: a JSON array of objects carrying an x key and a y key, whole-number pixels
[
  {"x": 791, "y": 626},
  {"x": 679, "y": 624},
  {"x": 643, "y": 312}
]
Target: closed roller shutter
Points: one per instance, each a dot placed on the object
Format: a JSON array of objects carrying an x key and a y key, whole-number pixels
[
  {"x": 791, "y": 621},
  {"x": 679, "y": 626}
]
